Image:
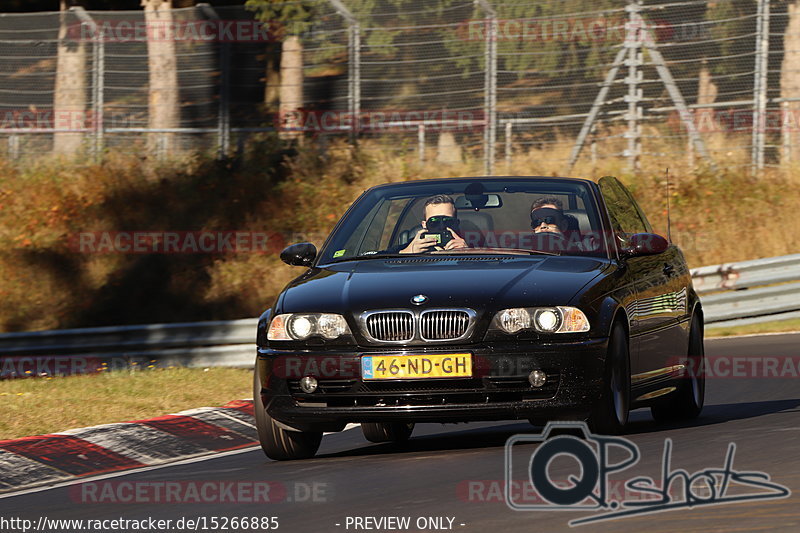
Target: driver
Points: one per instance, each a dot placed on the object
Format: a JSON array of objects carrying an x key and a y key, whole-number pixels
[{"x": 440, "y": 216}]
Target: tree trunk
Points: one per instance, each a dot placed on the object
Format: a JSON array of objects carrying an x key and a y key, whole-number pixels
[
  {"x": 69, "y": 100},
  {"x": 790, "y": 84},
  {"x": 706, "y": 88},
  {"x": 291, "y": 93},
  {"x": 272, "y": 90},
  {"x": 163, "y": 101},
  {"x": 448, "y": 149}
]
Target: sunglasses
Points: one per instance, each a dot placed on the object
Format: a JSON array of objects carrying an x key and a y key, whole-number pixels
[{"x": 536, "y": 222}]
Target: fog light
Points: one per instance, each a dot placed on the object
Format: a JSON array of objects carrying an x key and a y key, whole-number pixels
[
  {"x": 308, "y": 384},
  {"x": 537, "y": 378}
]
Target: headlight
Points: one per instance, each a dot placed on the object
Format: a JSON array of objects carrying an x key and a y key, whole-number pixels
[
  {"x": 542, "y": 319},
  {"x": 514, "y": 320},
  {"x": 300, "y": 326},
  {"x": 332, "y": 326},
  {"x": 547, "y": 320}
]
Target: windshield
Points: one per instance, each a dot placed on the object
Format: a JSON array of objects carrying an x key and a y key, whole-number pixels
[{"x": 487, "y": 215}]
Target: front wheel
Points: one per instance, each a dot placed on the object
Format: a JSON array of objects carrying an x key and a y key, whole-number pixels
[
  {"x": 686, "y": 402},
  {"x": 610, "y": 414},
  {"x": 278, "y": 443},
  {"x": 395, "y": 432}
]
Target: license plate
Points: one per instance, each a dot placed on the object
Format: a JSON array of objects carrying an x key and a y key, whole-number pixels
[{"x": 451, "y": 365}]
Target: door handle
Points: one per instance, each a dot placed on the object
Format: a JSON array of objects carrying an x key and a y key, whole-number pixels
[{"x": 668, "y": 269}]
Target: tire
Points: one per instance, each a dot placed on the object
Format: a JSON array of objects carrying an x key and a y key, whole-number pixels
[
  {"x": 278, "y": 443},
  {"x": 610, "y": 415},
  {"x": 395, "y": 432},
  {"x": 687, "y": 401}
]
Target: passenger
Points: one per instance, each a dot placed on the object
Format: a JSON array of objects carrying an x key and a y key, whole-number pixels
[
  {"x": 548, "y": 219},
  {"x": 547, "y": 216}
]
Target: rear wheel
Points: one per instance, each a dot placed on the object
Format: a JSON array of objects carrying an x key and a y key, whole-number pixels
[
  {"x": 279, "y": 443},
  {"x": 610, "y": 415},
  {"x": 387, "y": 431},
  {"x": 688, "y": 399}
]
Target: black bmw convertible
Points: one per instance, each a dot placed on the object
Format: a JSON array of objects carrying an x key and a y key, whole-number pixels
[{"x": 483, "y": 298}]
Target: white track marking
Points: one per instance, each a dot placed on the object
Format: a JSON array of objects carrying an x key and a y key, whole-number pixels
[
  {"x": 752, "y": 335},
  {"x": 146, "y": 468}
]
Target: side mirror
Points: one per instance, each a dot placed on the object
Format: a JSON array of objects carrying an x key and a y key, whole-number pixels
[
  {"x": 645, "y": 244},
  {"x": 301, "y": 254}
]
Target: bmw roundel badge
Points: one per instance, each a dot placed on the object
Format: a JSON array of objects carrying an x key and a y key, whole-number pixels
[{"x": 419, "y": 299}]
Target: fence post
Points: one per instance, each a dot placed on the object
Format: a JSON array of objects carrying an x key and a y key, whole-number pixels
[
  {"x": 760, "y": 87},
  {"x": 787, "y": 135},
  {"x": 98, "y": 80},
  {"x": 490, "y": 89},
  {"x": 99, "y": 102},
  {"x": 353, "y": 66},
  {"x": 224, "y": 118},
  {"x": 635, "y": 59},
  {"x": 13, "y": 146},
  {"x": 509, "y": 148},
  {"x": 421, "y": 142}
]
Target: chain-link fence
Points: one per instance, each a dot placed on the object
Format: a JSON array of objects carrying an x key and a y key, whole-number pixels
[{"x": 570, "y": 80}]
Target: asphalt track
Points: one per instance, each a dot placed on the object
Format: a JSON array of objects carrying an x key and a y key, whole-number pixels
[{"x": 457, "y": 471}]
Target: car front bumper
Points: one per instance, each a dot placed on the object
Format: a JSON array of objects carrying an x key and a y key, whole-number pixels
[{"x": 498, "y": 390}]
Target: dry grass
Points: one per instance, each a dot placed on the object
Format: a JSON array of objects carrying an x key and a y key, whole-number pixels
[
  {"x": 778, "y": 326},
  {"x": 45, "y": 405},
  {"x": 716, "y": 217}
]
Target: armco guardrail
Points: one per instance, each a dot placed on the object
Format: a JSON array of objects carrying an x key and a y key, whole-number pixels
[
  {"x": 221, "y": 343},
  {"x": 731, "y": 293},
  {"x": 149, "y": 337},
  {"x": 749, "y": 292}
]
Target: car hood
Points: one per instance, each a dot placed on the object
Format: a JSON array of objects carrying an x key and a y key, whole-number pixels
[{"x": 481, "y": 283}]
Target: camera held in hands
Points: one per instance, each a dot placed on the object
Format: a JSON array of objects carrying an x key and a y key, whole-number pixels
[{"x": 438, "y": 227}]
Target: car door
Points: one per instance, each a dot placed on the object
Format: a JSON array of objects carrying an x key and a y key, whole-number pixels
[{"x": 654, "y": 315}]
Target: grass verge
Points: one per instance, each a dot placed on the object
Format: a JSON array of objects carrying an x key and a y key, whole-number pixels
[
  {"x": 45, "y": 405},
  {"x": 777, "y": 326}
]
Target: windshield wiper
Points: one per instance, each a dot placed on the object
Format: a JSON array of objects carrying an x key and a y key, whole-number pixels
[
  {"x": 369, "y": 256},
  {"x": 494, "y": 251}
]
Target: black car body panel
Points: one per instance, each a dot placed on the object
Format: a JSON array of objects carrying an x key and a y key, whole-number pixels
[{"x": 651, "y": 295}]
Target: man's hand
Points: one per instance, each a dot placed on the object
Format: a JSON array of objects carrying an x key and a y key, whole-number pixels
[
  {"x": 455, "y": 242},
  {"x": 419, "y": 245}
]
